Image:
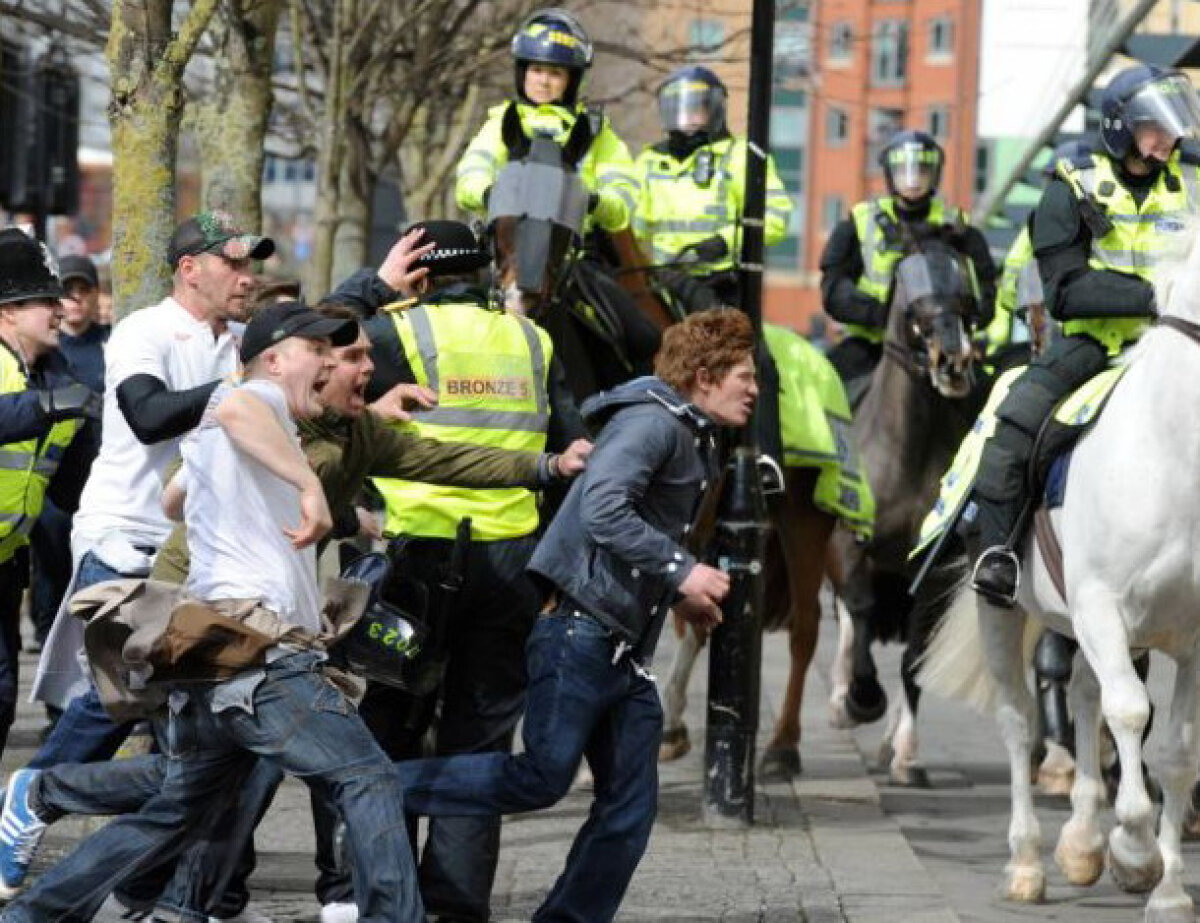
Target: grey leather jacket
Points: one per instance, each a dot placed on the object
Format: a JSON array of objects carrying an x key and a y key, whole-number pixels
[{"x": 615, "y": 548}]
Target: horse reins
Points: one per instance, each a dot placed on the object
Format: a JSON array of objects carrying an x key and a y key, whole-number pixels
[{"x": 1188, "y": 328}]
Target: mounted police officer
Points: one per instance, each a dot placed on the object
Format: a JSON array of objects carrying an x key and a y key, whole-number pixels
[
  {"x": 41, "y": 405},
  {"x": 1006, "y": 340},
  {"x": 552, "y": 53},
  {"x": 1099, "y": 232},
  {"x": 863, "y": 250},
  {"x": 692, "y": 185},
  {"x": 689, "y": 210}
]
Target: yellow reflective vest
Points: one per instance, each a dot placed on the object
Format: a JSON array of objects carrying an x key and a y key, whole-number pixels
[
  {"x": 490, "y": 371},
  {"x": 1139, "y": 236},
  {"x": 675, "y": 211},
  {"x": 999, "y": 332},
  {"x": 881, "y": 251},
  {"x": 606, "y": 168},
  {"x": 25, "y": 467}
]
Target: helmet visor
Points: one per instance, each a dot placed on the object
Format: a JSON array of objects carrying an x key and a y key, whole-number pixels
[
  {"x": 1168, "y": 105},
  {"x": 690, "y": 106},
  {"x": 913, "y": 170}
]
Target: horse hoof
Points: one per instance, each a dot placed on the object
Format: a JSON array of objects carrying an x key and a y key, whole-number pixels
[
  {"x": 1082, "y": 869},
  {"x": 675, "y": 744},
  {"x": 839, "y": 717},
  {"x": 909, "y": 777},
  {"x": 1131, "y": 876},
  {"x": 1055, "y": 783},
  {"x": 1179, "y": 909},
  {"x": 780, "y": 765},
  {"x": 866, "y": 702},
  {"x": 1025, "y": 885}
]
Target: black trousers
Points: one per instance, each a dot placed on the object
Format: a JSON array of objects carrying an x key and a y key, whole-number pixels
[
  {"x": 14, "y": 578},
  {"x": 1001, "y": 489},
  {"x": 478, "y": 706}
]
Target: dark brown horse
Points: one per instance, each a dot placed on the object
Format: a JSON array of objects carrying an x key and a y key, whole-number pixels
[{"x": 921, "y": 400}]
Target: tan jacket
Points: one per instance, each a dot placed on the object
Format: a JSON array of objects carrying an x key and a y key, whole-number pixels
[{"x": 145, "y": 636}]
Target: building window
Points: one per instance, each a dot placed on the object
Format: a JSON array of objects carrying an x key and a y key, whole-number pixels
[
  {"x": 881, "y": 125},
  {"x": 833, "y": 208},
  {"x": 705, "y": 37},
  {"x": 269, "y": 168},
  {"x": 941, "y": 39},
  {"x": 837, "y": 127},
  {"x": 939, "y": 122},
  {"x": 841, "y": 43},
  {"x": 983, "y": 165},
  {"x": 889, "y": 53},
  {"x": 789, "y": 162}
]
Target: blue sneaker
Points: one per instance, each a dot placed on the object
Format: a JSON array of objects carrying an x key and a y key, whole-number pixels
[{"x": 20, "y": 832}]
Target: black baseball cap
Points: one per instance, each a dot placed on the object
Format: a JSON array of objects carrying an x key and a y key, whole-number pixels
[
  {"x": 285, "y": 319},
  {"x": 216, "y": 232},
  {"x": 78, "y": 267}
]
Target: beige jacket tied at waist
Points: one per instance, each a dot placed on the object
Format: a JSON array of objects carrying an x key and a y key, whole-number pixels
[{"x": 144, "y": 636}]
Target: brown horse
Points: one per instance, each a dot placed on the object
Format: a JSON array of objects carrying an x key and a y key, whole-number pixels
[{"x": 592, "y": 320}]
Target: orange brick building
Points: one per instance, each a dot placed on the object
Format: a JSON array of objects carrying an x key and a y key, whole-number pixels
[{"x": 883, "y": 65}]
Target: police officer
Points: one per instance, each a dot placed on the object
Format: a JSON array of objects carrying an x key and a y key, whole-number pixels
[
  {"x": 1099, "y": 232},
  {"x": 1006, "y": 339},
  {"x": 863, "y": 250},
  {"x": 41, "y": 405},
  {"x": 689, "y": 210},
  {"x": 692, "y": 185},
  {"x": 492, "y": 380},
  {"x": 552, "y": 52}
]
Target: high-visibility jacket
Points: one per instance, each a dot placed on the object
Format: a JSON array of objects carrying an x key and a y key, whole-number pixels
[
  {"x": 999, "y": 332},
  {"x": 1139, "y": 236},
  {"x": 25, "y": 467},
  {"x": 682, "y": 202},
  {"x": 881, "y": 251},
  {"x": 606, "y": 169},
  {"x": 490, "y": 371}
]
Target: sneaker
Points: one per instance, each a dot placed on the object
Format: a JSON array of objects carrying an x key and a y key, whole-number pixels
[
  {"x": 113, "y": 911},
  {"x": 997, "y": 576},
  {"x": 250, "y": 915},
  {"x": 339, "y": 912},
  {"x": 20, "y": 832}
]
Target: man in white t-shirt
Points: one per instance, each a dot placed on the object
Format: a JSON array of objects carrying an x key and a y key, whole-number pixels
[
  {"x": 254, "y": 510},
  {"x": 163, "y": 363}
]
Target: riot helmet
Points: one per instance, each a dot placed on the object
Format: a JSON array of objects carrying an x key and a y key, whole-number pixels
[
  {"x": 692, "y": 101},
  {"x": 912, "y": 165},
  {"x": 386, "y": 643},
  {"x": 1146, "y": 105},
  {"x": 552, "y": 36}
]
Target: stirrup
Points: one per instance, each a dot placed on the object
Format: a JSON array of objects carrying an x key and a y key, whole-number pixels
[
  {"x": 770, "y": 476},
  {"x": 1007, "y": 600}
]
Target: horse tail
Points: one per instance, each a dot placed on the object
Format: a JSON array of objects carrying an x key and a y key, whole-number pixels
[{"x": 954, "y": 665}]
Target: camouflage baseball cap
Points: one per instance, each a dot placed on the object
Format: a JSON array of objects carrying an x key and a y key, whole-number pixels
[{"x": 216, "y": 232}]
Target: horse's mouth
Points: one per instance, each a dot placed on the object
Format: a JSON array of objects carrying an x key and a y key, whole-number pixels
[{"x": 951, "y": 376}]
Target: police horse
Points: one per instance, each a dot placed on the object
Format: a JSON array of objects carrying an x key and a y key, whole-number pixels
[
  {"x": 921, "y": 400},
  {"x": 1127, "y": 530},
  {"x": 535, "y": 219}
]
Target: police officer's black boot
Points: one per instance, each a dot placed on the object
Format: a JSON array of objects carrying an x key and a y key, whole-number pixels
[{"x": 997, "y": 572}]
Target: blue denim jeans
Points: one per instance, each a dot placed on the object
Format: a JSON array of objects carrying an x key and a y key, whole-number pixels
[
  {"x": 302, "y": 724},
  {"x": 85, "y": 733},
  {"x": 579, "y": 703}
]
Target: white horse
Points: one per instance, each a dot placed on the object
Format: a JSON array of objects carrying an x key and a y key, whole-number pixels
[{"x": 1129, "y": 528}]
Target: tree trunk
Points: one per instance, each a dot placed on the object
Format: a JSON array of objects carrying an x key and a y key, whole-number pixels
[
  {"x": 332, "y": 152},
  {"x": 356, "y": 193},
  {"x": 231, "y": 122},
  {"x": 146, "y": 62}
]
